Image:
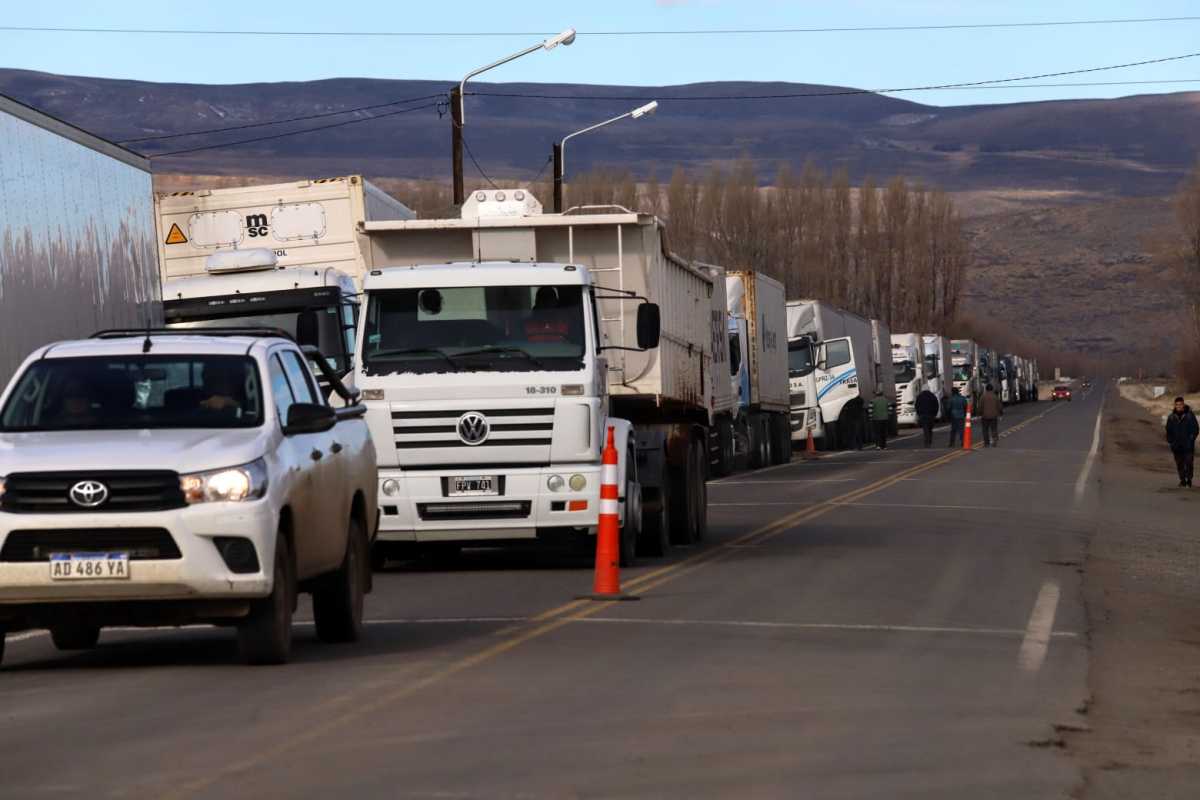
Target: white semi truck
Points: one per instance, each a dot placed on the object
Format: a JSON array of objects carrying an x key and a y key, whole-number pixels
[
  {"x": 909, "y": 371},
  {"x": 938, "y": 368},
  {"x": 758, "y": 368},
  {"x": 497, "y": 349},
  {"x": 831, "y": 373},
  {"x": 1007, "y": 375},
  {"x": 286, "y": 255},
  {"x": 964, "y": 358}
]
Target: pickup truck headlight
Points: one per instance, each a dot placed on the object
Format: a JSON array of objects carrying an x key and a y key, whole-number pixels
[{"x": 231, "y": 484}]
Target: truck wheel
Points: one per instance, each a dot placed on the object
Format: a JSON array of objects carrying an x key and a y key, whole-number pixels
[
  {"x": 700, "y": 530},
  {"x": 265, "y": 635},
  {"x": 75, "y": 636},
  {"x": 682, "y": 495},
  {"x": 3, "y": 636},
  {"x": 655, "y": 540},
  {"x": 783, "y": 439},
  {"x": 631, "y": 529},
  {"x": 831, "y": 440},
  {"x": 338, "y": 597},
  {"x": 379, "y": 556},
  {"x": 725, "y": 453}
]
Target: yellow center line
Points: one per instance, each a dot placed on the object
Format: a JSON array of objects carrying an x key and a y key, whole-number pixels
[{"x": 550, "y": 620}]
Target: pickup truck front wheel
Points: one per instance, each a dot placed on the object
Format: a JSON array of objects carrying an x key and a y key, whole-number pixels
[
  {"x": 265, "y": 635},
  {"x": 338, "y": 598}
]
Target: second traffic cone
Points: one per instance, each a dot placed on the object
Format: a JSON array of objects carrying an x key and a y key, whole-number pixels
[
  {"x": 967, "y": 430},
  {"x": 810, "y": 447},
  {"x": 606, "y": 583}
]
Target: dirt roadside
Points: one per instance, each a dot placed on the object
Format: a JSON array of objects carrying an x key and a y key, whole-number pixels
[{"x": 1142, "y": 589}]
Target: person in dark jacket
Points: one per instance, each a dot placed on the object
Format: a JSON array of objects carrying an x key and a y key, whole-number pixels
[
  {"x": 880, "y": 418},
  {"x": 991, "y": 409},
  {"x": 1182, "y": 430},
  {"x": 927, "y": 407},
  {"x": 958, "y": 417}
]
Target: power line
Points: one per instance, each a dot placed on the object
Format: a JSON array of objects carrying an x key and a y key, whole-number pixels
[
  {"x": 664, "y": 32},
  {"x": 475, "y": 161},
  {"x": 991, "y": 83},
  {"x": 278, "y": 121},
  {"x": 541, "y": 171},
  {"x": 289, "y": 133}
]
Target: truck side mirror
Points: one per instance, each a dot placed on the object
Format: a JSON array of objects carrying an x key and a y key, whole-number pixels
[
  {"x": 822, "y": 358},
  {"x": 649, "y": 326},
  {"x": 308, "y": 330}
]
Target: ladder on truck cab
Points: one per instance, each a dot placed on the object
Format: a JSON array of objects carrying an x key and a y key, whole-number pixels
[{"x": 619, "y": 269}]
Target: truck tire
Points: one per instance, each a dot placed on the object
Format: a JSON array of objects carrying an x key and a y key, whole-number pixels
[
  {"x": 701, "y": 497},
  {"x": 338, "y": 597},
  {"x": 756, "y": 445},
  {"x": 831, "y": 440},
  {"x": 631, "y": 529},
  {"x": 783, "y": 438},
  {"x": 725, "y": 451},
  {"x": 265, "y": 635},
  {"x": 75, "y": 636},
  {"x": 3, "y": 636},
  {"x": 655, "y": 540},
  {"x": 682, "y": 495}
]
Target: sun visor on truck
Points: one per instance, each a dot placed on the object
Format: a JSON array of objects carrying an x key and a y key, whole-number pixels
[{"x": 257, "y": 258}]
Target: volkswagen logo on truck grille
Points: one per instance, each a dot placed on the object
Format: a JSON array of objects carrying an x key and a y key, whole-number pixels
[
  {"x": 473, "y": 428},
  {"x": 88, "y": 494}
]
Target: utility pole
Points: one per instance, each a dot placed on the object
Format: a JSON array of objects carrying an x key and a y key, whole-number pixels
[
  {"x": 558, "y": 178},
  {"x": 456, "y": 145}
]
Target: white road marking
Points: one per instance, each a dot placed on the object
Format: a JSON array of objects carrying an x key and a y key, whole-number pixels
[
  {"x": 1040, "y": 628},
  {"x": 1086, "y": 469},
  {"x": 923, "y": 506},
  {"x": 820, "y": 626},
  {"x": 797, "y": 480},
  {"x": 963, "y": 480}
]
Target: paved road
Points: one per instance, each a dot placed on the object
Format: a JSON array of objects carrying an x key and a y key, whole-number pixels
[{"x": 894, "y": 624}]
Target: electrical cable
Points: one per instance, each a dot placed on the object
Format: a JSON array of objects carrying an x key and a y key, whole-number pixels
[
  {"x": 475, "y": 161},
  {"x": 278, "y": 121},
  {"x": 540, "y": 172},
  {"x": 663, "y": 32},
  {"x": 289, "y": 133}
]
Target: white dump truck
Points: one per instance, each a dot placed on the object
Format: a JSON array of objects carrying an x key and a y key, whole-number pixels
[
  {"x": 964, "y": 358},
  {"x": 938, "y": 368},
  {"x": 285, "y": 255},
  {"x": 908, "y": 371},
  {"x": 758, "y": 368},
  {"x": 497, "y": 350},
  {"x": 76, "y": 235},
  {"x": 831, "y": 373}
]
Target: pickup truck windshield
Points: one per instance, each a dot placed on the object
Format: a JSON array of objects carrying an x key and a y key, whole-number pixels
[
  {"x": 905, "y": 371},
  {"x": 474, "y": 329},
  {"x": 800, "y": 358},
  {"x": 127, "y": 392}
]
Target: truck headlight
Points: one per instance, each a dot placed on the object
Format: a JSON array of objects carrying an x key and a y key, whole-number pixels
[
  {"x": 555, "y": 483},
  {"x": 231, "y": 484},
  {"x": 578, "y": 482}
]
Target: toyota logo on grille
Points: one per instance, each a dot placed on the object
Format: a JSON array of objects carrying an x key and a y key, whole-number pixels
[
  {"x": 89, "y": 494},
  {"x": 473, "y": 428}
]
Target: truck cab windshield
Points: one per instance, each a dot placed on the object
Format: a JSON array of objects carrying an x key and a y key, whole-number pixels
[
  {"x": 800, "y": 358},
  {"x": 474, "y": 329},
  {"x": 905, "y": 371}
]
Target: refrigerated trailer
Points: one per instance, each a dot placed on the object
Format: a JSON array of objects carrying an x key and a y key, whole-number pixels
[
  {"x": 286, "y": 255},
  {"x": 758, "y": 368},
  {"x": 831, "y": 373},
  {"x": 76, "y": 235},
  {"x": 497, "y": 350}
]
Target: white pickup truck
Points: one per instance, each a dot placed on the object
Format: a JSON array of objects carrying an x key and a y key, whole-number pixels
[{"x": 164, "y": 478}]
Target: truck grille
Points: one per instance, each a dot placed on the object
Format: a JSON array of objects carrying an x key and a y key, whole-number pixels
[
  {"x": 508, "y": 427},
  {"x": 142, "y": 544},
  {"x": 797, "y": 399},
  {"x": 502, "y": 509},
  {"x": 49, "y": 492}
]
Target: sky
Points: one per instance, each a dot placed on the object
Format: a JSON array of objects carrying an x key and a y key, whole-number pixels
[{"x": 873, "y": 60}]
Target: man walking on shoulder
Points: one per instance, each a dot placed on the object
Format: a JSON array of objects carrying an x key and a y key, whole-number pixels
[
  {"x": 927, "y": 411},
  {"x": 991, "y": 408},
  {"x": 1182, "y": 430},
  {"x": 880, "y": 418},
  {"x": 958, "y": 417}
]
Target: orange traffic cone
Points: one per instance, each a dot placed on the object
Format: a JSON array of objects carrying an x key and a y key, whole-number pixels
[
  {"x": 967, "y": 429},
  {"x": 606, "y": 585},
  {"x": 810, "y": 448}
]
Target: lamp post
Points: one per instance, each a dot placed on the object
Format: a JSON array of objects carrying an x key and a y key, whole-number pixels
[
  {"x": 458, "y": 112},
  {"x": 560, "y": 147}
]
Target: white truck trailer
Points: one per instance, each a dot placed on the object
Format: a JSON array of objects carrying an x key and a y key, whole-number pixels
[
  {"x": 76, "y": 235},
  {"x": 496, "y": 351},
  {"x": 938, "y": 368},
  {"x": 831, "y": 373},
  {"x": 908, "y": 371},
  {"x": 964, "y": 358},
  {"x": 885, "y": 374},
  {"x": 287, "y": 255},
  {"x": 758, "y": 368}
]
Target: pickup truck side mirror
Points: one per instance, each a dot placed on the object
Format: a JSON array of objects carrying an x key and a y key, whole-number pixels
[
  {"x": 649, "y": 326},
  {"x": 309, "y": 418}
]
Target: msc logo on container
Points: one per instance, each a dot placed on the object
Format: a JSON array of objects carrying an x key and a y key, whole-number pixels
[{"x": 256, "y": 225}]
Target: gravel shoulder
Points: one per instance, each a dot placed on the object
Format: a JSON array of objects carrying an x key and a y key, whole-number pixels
[{"x": 1142, "y": 589}]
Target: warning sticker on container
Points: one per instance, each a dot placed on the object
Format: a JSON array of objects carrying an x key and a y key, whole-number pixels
[{"x": 175, "y": 235}]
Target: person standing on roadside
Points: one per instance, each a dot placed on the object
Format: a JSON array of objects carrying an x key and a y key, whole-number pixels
[
  {"x": 991, "y": 408},
  {"x": 880, "y": 415},
  {"x": 958, "y": 417},
  {"x": 927, "y": 411},
  {"x": 1182, "y": 430}
]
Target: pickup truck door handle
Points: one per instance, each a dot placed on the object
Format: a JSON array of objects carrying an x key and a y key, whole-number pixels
[
  {"x": 315, "y": 455},
  {"x": 336, "y": 448}
]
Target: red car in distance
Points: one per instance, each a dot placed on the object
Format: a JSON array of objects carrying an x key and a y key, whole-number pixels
[{"x": 1061, "y": 393}]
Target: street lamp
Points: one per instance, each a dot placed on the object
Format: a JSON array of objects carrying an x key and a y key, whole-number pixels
[
  {"x": 560, "y": 150},
  {"x": 458, "y": 112}
]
